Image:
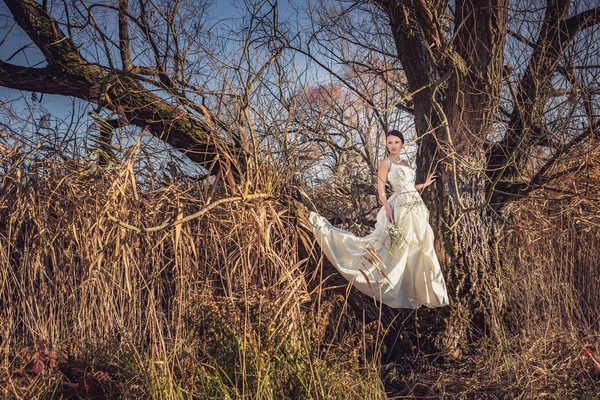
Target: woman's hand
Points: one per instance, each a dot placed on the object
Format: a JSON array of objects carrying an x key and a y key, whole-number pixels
[
  {"x": 430, "y": 179},
  {"x": 389, "y": 214}
]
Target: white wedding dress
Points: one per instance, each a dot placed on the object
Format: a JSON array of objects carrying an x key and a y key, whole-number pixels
[{"x": 404, "y": 274}]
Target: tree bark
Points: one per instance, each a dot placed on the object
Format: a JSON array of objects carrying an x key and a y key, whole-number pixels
[
  {"x": 457, "y": 87},
  {"x": 457, "y": 83}
]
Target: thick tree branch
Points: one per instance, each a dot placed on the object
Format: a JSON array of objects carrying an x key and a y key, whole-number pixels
[
  {"x": 44, "y": 31},
  {"x": 542, "y": 177},
  {"x": 519, "y": 190},
  {"x": 414, "y": 39},
  {"x": 535, "y": 89},
  {"x": 69, "y": 74},
  {"x": 583, "y": 21},
  {"x": 574, "y": 25},
  {"x": 473, "y": 94},
  {"x": 50, "y": 80}
]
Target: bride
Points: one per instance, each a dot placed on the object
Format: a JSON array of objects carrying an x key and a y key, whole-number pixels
[{"x": 396, "y": 263}]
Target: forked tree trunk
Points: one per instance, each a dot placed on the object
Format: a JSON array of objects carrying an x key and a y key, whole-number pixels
[{"x": 456, "y": 87}]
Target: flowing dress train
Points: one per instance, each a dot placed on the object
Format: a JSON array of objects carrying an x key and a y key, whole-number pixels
[{"x": 403, "y": 274}]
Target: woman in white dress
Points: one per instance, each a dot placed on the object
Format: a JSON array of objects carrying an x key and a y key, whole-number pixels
[{"x": 396, "y": 263}]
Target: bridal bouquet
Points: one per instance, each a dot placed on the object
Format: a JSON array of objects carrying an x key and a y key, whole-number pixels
[{"x": 397, "y": 234}]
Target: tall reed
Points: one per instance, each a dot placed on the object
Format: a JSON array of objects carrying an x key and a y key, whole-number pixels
[{"x": 105, "y": 292}]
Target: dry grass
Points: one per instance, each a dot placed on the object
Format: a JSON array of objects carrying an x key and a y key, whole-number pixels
[
  {"x": 550, "y": 286},
  {"x": 218, "y": 307},
  {"x": 549, "y": 315},
  {"x": 225, "y": 306}
]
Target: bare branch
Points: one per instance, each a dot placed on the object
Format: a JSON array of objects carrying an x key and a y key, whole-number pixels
[
  {"x": 583, "y": 21},
  {"x": 198, "y": 214},
  {"x": 49, "y": 79},
  {"x": 124, "y": 35},
  {"x": 44, "y": 31}
]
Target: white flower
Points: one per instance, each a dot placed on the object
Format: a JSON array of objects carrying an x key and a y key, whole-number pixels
[{"x": 397, "y": 234}]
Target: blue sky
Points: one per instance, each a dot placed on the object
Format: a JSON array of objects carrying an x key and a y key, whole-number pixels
[{"x": 223, "y": 12}]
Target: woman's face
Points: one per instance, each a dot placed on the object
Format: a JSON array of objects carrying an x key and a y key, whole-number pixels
[{"x": 394, "y": 145}]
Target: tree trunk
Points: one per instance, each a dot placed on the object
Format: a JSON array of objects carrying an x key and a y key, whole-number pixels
[{"x": 456, "y": 100}]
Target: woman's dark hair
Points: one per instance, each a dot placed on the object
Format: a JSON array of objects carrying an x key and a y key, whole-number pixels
[{"x": 396, "y": 133}]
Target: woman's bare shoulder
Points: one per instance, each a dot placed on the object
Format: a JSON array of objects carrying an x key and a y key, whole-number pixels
[{"x": 385, "y": 163}]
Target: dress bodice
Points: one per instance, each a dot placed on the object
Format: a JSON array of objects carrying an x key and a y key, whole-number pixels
[{"x": 402, "y": 178}]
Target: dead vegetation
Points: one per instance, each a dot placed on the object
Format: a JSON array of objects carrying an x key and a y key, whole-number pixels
[
  {"x": 546, "y": 339},
  {"x": 117, "y": 280},
  {"x": 106, "y": 293},
  {"x": 220, "y": 306}
]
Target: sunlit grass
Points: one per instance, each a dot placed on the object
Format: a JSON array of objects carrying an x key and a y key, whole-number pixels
[
  {"x": 224, "y": 306},
  {"x": 217, "y": 307}
]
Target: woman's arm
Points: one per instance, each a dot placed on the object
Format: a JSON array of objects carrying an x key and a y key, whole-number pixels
[{"x": 382, "y": 173}]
